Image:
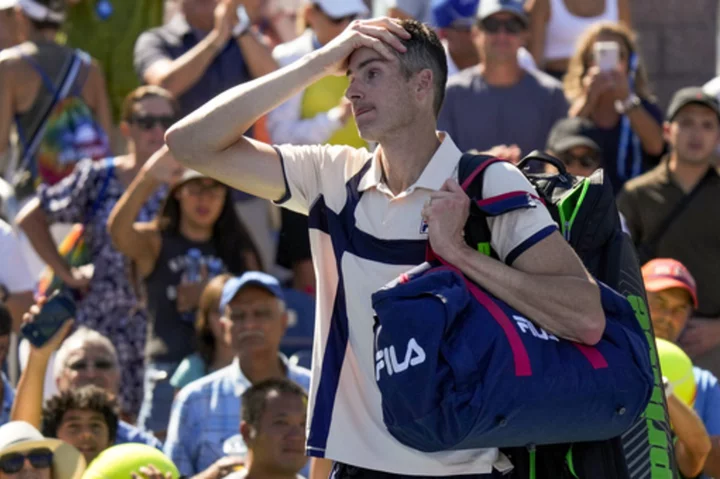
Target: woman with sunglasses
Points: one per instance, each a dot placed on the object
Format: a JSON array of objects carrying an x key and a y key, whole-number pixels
[
  {"x": 109, "y": 304},
  {"x": 196, "y": 236},
  {"x": 617, "y": 99},
  {"x": 214, "y": 349}
]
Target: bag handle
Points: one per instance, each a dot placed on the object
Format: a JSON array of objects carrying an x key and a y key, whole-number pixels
[{"x": 543, "y": 157}]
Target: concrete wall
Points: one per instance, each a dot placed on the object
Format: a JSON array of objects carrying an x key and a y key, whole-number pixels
[{"x": 678, "y": 40}]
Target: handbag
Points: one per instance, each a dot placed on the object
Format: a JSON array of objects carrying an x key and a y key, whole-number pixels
[{"x": 73, "y": 248}]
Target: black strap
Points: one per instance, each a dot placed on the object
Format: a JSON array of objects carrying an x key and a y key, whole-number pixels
[{"x": 648, "y": 249}]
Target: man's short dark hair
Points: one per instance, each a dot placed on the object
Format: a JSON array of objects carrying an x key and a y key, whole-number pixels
[
  {"x": 254, "y": 399},
  {"x": 424, "y": 50},
  {"x": 5, "y": 321},
  {"x": 87, "y": 398}
]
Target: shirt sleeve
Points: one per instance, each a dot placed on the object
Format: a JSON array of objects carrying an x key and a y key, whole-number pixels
[
  {"x": 180, "y": 434},
  {"x": 149, "y": 48},
  {"x": 15, "y": 274},
  {"x": 517, "y": 231},
  {"x": 69, "y": 200},
  {"x": 285, "y": 125}
]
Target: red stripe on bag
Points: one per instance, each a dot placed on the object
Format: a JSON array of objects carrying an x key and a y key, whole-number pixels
[
  {"x": 505, "y": 196},
  {"x": 597, "y": 360},
  {"x": 520, "y": 355}
]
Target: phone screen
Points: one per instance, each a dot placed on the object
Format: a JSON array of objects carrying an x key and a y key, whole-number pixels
[{"x": 58, "y": 309}]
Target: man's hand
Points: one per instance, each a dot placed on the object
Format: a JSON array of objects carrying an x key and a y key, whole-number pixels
[
  {"x": 379, "y": 34},
  {"x": 700, "y": 336},
  {"x": 163, "y": 167},
  {"x": 221, "y": 468},
  {"x": 150, "y": 472},
  {"x": 225, "y": 15},
  {"x": 53, "y": 343},
  {"x": 446, "y": 213},
  {"x": 510, "y": 153}
]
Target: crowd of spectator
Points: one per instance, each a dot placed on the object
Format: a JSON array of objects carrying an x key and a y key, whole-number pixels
[{"x": 196, "y": 302}]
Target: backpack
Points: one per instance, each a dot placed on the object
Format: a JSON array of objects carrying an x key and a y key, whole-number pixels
[
  {"x": 585, "y": 210},
  {"x": 67, "y": 132}
]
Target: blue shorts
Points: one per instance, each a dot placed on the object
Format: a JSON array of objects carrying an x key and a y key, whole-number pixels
[{"x": 158, "y": 395}]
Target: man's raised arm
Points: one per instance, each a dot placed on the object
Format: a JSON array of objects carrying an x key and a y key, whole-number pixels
[{"x": 211, "y": 139}]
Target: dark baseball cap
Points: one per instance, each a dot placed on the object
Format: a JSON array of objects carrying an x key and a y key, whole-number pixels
[
  {"x": 251, "y": 278},
  {"x": 491, "y": 7},
  {"x": 693, "y": 95},
  {"x": 571, "y": 132}
]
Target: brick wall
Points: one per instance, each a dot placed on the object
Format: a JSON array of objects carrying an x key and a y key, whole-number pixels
[{"x": 678, "y": 40}]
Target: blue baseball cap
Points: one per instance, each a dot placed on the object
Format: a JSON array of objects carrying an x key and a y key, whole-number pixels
[
  {"x": 491, "y": 7},
  {"x": 251, "y": 278},
  {"x": 449, "y": 13}
]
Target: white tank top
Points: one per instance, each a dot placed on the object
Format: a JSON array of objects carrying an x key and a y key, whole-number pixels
[{"x": 564, "y": 28}]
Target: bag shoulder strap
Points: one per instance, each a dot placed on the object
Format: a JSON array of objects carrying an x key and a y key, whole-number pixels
[
  {"x": 647, "y": 250},
  {"x": 110, "y": 164}
]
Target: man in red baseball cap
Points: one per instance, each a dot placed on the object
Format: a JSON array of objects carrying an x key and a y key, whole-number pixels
[{"x": 672, "y": 299}]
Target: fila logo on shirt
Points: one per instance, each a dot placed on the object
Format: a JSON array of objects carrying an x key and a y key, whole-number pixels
[
  {"x": 526, "y": 326},
  {"x": 387, "y": 358}
]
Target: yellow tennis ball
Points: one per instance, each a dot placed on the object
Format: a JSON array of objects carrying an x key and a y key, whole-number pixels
[
  {"x": 119, "y": 462},
  {"x": 677, "y": 367}
]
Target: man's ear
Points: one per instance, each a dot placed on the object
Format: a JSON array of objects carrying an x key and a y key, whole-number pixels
[
  {"x": 125, "y": 129},
  {"x": 666, "y": 132},
  {"x": 248, "y": 433},
  {"x": 424, "y": 84}
]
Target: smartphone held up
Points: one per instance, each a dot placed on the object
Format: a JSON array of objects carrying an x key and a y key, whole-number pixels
[
  {"x": 606, "y": 55},
  {"x": 59, "y": 308}
]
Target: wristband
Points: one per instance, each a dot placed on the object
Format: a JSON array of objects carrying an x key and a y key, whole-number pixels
[{"x": 632, "y": 101}]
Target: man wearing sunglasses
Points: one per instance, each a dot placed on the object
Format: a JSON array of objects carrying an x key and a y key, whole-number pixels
[
  {"x": 499, "y": 102},
  {"x": 572, "y": 142},
  {"x": 26, "y": 454}
]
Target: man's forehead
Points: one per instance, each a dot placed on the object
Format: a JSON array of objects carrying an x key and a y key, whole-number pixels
[
  {"x": 362, "y": 57},
  {"x": 89, "y": 351},
  {"x": 83, "y": 414}
]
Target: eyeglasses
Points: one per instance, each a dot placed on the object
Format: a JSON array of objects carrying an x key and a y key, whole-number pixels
[
  {"x": 585, "y": 161},
  {"x": 14, "y": 462},
  {"x": 100, "y": 364},
  {"x": 148, "y": 122},
  {"x": 493, "y": 25}
]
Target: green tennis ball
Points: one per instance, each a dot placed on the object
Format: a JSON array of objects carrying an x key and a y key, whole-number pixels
[
  {"x": 677, "y": 367},
  {"x": 119, "y": 462}
]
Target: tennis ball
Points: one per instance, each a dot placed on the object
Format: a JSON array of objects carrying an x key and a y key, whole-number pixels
[
  {"x": 119, "y": 462},
  {"x": 676, "y": 366}
]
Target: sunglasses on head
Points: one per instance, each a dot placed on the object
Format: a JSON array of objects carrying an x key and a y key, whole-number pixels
[
  {"x": 148, "y": 122},
  {"x": 493, "y": 25},
  {"x": 101, "y": 364},
  {"x": 14, "y": 462},
  {"x": 586, "y": 161}
]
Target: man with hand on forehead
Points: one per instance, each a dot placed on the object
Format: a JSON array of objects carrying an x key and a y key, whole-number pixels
[{"x": 371, "y": 216}]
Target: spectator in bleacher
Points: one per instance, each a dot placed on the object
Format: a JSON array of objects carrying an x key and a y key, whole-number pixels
[
  {"x": 207, "y": 411},
  {"x": 572, "y": 141},
  {"x": 7, "y": 393},
  {"x": 8, "y": 26},
  {"x": 672, "y": 297},
  {"x": 87, "y": 196},
  {"x": 671, "y": 210},
  {"x": 404, "y": 9},
  {"x": 107, "y": 30},
  {"x": 274, "y": 413},
  {"x": 31, "y": 75},
  {"x": 196, "y": 236},
  {"x": 16, "y": 281},
  {"x": 499, "y": 102},
  {"x": 85, "y": 358},
  {"x": 320, "y": 114},
  {"x": 556, "y": 26},
  {"x": 214, "y": 348},
  {"x": 618, "y": 101},
  {"x": 204, "y": 50},
  {"x": 453, "y": 20}
]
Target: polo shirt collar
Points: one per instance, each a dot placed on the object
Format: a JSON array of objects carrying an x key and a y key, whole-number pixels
[
  {"x": 442, "y": 165},
  {"x": 240, "y": 382}
]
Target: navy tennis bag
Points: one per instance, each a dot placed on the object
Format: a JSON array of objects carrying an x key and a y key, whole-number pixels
[{"x": 460, "y": 369}]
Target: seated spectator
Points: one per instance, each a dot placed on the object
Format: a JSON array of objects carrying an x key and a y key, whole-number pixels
[
  {"x": 86, "y": 418},
  {"x": 109, "y": 304},
  {"x": 453, "y": 20},
  {"x": 572, "y": 142},
  {"x": 31, "y": 76},
  {"x": 85, "y": 358},
  {"x": 403, "y": 9},
  {"x": 196, "y": 236},
  {"x": 556, "y": 26},
  {"x": 213, "y": 338},
  {"x": 499, "y": 102},
  {"x": 670, "y": 213},
  {"x": 7, "y": 393},
  {"x": 204, "y": 50},
  {"x": 8, "y": 26},
  {"x": 207, "y": 412},
  {"x": 273, "y": 414},
  {"x": 26, "y": 454},
  {"x": 618, "y": 102},
  {"x": 672, "y": 297},
  {"x": 16, "y": 281}
]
